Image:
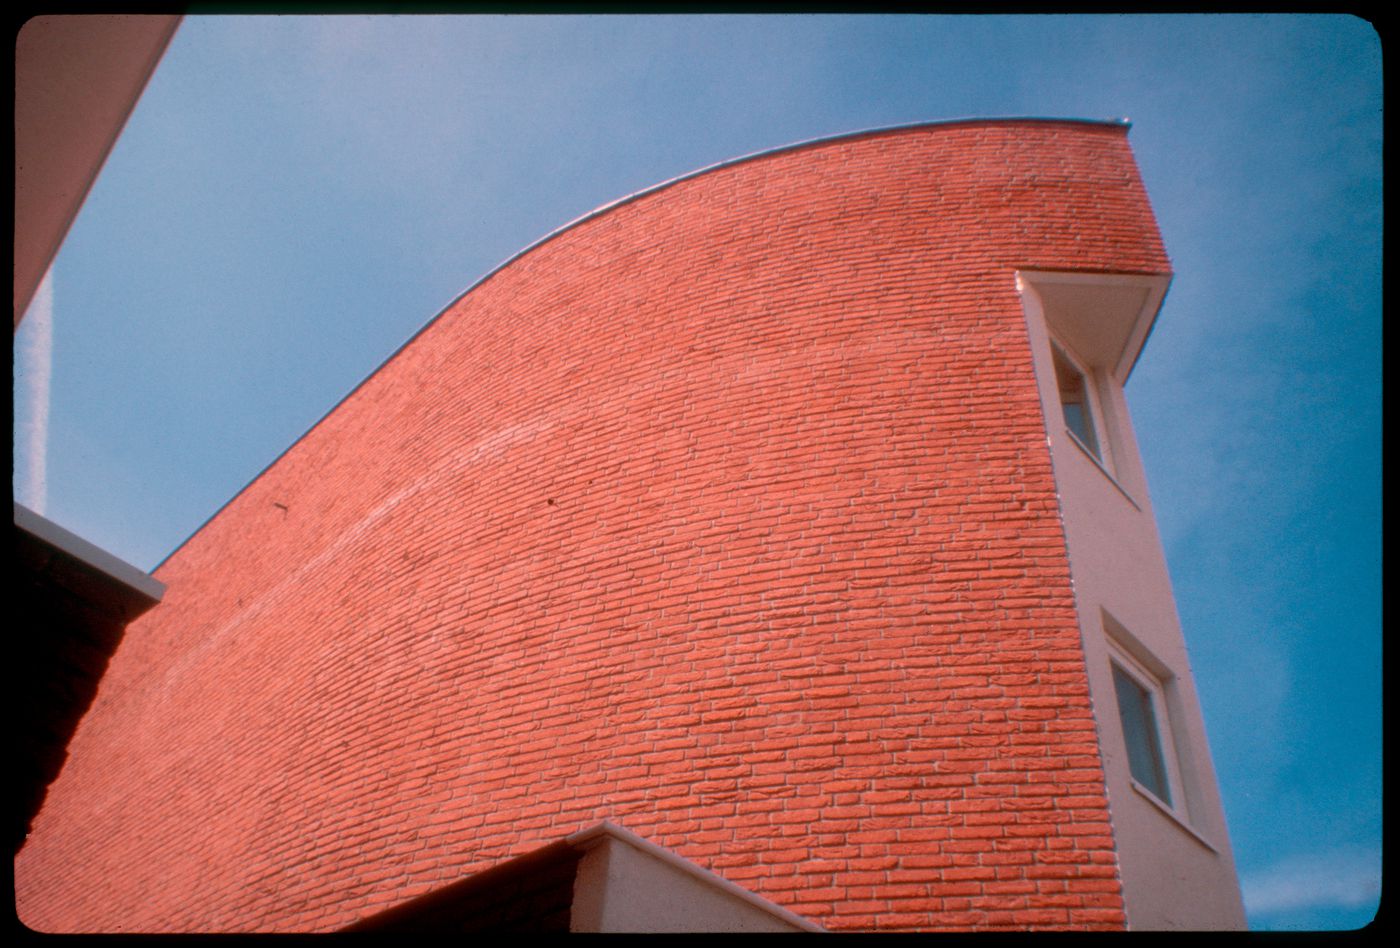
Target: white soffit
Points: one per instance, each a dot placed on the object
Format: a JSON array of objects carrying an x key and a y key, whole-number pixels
[
  {"x": 1104, "y": 318},
  {"x": 77, "y": 79}
]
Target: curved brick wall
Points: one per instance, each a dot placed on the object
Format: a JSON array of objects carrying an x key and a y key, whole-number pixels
[{"x": 726, "y": 514}]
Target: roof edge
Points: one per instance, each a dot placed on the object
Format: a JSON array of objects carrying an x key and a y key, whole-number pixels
[
  {"x": 88, "y": 553},
  {"x": 778, "y": 150},
  {"x": 1122, "y": 123},
  {"x": 589, "y": 837}
]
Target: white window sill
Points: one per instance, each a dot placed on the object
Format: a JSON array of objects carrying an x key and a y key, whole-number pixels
[
  {"x": 1100, "y": 465},
  {"x": 1171, "y": 814}
]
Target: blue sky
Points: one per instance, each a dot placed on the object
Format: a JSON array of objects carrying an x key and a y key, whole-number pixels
[{"x": 294, "y": 197}]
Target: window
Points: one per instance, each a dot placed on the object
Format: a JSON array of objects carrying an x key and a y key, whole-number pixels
[
  {"x": 1074, "y": 401},
  {"x": 1159, "y": 768},
  {"x": 1137, "y": 710}
]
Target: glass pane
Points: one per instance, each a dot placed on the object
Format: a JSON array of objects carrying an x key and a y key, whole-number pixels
[
  {"x": 1140, "y": 731},
  {"x": 1074, "y": 400}
]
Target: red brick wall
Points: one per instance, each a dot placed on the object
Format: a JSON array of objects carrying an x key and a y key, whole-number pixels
[{"x": 726, "y": 515}]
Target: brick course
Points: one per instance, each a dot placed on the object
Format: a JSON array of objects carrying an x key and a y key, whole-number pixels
[{"x": 726, "y": 514}]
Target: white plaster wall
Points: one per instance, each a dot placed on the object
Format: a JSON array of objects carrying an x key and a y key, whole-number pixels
[
  {"x": 620, "y": 888},
  {"x": 1176, "y": 867}
]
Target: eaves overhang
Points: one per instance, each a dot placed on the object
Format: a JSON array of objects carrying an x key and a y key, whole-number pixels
[
  {"x": 1105, "y": 318},
  {"x": 61, "y": 556},
  {"x": 77, "y": 79}
]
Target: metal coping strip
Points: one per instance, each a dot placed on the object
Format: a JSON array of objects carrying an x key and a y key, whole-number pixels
[
  {"x": 88, "y": 553},
  {"x": 586, "y": 839},
  {"x": 1123, "y": 123}
]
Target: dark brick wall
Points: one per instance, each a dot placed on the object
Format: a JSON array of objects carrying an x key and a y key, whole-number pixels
[
  {"x": 530, "y": 894},
  {"x": 62, "y": 650},
  {"x": 66, "y": 620}
]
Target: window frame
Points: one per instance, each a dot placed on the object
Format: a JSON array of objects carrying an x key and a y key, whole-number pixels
[
  {"x": 1097, "y": 444},
  {"x": 1155, "y": 687}
]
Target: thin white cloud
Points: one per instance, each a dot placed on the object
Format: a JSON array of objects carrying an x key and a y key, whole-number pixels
[
  {"x": 33, "y": 375},
  {"x": 1339, "y": 879}
]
